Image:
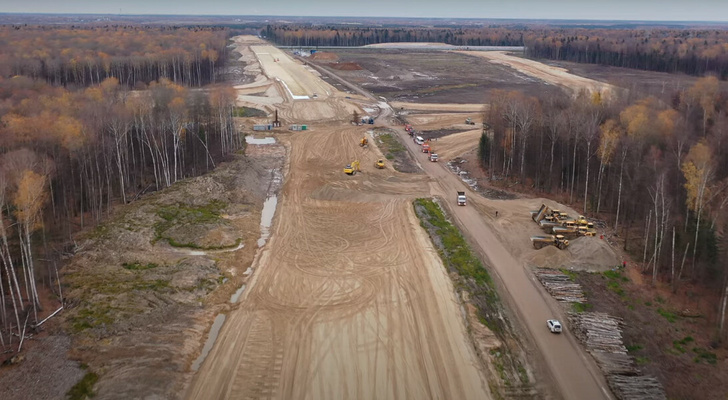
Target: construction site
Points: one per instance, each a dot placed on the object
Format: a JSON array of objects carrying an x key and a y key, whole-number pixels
[
  {"x": 349, "y": 297},
  {"x": 343, "y": 290}
]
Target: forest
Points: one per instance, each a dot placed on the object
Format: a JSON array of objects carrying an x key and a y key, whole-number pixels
[
  {"x": 73, "y": 145},
  {"x": 656, "y": 169},
  {"x": 81, "y": 56},
  {"x": 690, "y": 51}
]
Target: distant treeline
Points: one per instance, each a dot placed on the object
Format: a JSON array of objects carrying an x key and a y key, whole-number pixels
[
  {"x": 294, "y": 35},
  {"x": 133, "y": 55},
  {"x": 694, "y": 52}
]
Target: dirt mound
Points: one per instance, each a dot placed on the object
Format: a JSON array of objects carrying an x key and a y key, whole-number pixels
[
  {"x": 324, "y": 56},
  {"x": 549, "y": 257},
  {"x": 592, "y": 254},
  {"x": 345, "y": 66},
  {"x": 584, "y": 253}
]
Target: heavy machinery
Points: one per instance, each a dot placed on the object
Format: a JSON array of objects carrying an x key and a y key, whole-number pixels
[
  {"x": 364, "y": 142},
  {"x": 379, "y": 164},
  {"x": 545, "y": 213},
  {"x": 425, "y": 148},
  {"x": 469, "y": 121},
  {"x": 550, "y": 240},
  {"x": 352, "y": 168},
  {"x": 461, "y": 198}
]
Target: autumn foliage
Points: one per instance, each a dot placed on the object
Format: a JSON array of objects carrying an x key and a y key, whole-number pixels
[
  {"x": 134, "y": 55},
  {"x": 90, "y": 118}
]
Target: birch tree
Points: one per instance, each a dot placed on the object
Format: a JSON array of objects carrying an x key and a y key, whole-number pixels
[{"x": 698, "y": 171}]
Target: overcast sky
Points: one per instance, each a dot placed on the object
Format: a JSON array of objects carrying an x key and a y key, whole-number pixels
[{"x": 663, "y": 10}]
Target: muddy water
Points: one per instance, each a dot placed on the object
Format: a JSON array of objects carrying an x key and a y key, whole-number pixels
[
  {"x": 211, "y": 338},
  {"x": 236, "y": 296},
  {"x": 266, "y": 219}
]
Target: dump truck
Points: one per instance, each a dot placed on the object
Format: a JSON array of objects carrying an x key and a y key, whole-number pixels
[
  {"x": 566, "y": 231},
  {"x": 550, "y": 240},
  {"x": 541, "y": 213},
  {"x": 461, "y": 198}
]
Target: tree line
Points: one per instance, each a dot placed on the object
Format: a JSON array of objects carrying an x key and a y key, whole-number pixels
[
  {"x": 68, "y": 154},
  {"x": 304, "y": 35},
  {"x": 651, "y": 168},
  {"x": 689, "y": 51},
  {"x": 133, "y": 55},
  {"x": 693, "y": 52}
]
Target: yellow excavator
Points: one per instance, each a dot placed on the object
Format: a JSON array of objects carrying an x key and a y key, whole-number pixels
[
  {"x": 352, "y": 168},
  {"x": 364, "y": 142},
  {"x": 380, "y": 163}
]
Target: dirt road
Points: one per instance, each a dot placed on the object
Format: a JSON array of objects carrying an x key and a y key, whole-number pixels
[
  {"x": 576, "y": 376},
  {"x": 349, "y": 299},
  {"x": 546, "y": 73}
]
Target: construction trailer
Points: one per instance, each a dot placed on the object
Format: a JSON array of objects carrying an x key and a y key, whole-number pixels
[
  {"x": 298, "y": 127},
  {"x": 263, "y": 127}
]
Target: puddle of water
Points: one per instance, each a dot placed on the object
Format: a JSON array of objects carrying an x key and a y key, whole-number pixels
[
  {"x": 236, "y": 296},
  {"x": 206, "y": 252},
  {"x": 253, "y": 140},
  {"x": 266, "y": 218},
  {"x": 211, "y": 338}
]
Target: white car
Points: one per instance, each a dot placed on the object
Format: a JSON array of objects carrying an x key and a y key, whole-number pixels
[{"x": 554, "y": 326}]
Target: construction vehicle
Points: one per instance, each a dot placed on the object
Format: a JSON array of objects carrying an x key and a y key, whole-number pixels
[
  {"x": 541, "y": 213},
  {"x": 461, "y": 198},
  {"x": 469, "y": 121},
  {"x": 544, "y": 213},
  {"x": 550, "y": 240},
  {"x": 433, "y": 156},
  {"x": 352, "y": 168},
  {"x": 364, "y": 142},
  {"x": 379, "y": 164},
  {"x": 425, "y": 148}
]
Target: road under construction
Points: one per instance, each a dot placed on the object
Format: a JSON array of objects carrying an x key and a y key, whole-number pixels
[{"x": 350, "y": 300}]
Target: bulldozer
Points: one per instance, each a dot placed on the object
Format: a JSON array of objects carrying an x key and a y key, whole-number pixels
[
  {"x": 364, "y": 142},
  {"x": 379, "y": 164},
  {"x": 352, "y": 168},
  {"x": 556, "y": 240}
]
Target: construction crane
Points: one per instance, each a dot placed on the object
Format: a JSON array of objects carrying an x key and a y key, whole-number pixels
[{"x": 352, "y": 168}]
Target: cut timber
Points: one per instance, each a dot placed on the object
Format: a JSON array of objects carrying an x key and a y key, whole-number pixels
[
  {"x": 602, "y": 337},
  {"x": 560, "y": 286},
  {"x": 636, "y": 387}
]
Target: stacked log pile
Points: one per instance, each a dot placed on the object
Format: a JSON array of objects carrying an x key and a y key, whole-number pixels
[
  {"x": 602, "y": 336},
  {"x": 636, "y": 387},
  {"x": 560, "y": 286}
]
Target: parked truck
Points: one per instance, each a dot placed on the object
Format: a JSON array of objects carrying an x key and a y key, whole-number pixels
[
  {"x": 550, "y": 240},
  {"x": 461, "y": 198}
]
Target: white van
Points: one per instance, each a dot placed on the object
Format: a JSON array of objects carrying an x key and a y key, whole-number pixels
[{"x": 419, "y": 140}]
